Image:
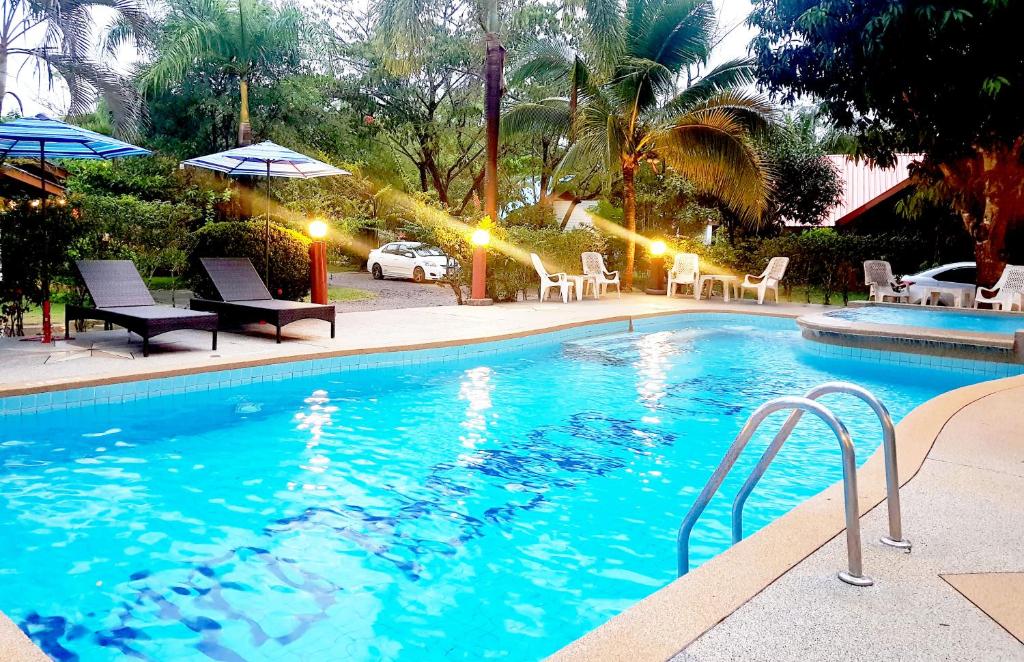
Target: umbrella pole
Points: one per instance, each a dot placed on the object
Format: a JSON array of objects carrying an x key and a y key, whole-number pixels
[
  {"x": 47, "y": 325},
  {"x": 266, "y": 242}
]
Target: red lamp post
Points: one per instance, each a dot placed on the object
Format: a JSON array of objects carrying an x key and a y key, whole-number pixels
[
  {"x": 478, "y": 295},
  {"x": 318, "y": 262},
  {"x": 657, "y": 282}
]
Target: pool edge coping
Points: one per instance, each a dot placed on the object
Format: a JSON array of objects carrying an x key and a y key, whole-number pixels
[{"x": 665, "y": 623}]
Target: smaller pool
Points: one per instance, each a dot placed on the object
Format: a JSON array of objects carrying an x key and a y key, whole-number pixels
[{"x": 937, "y": 319}]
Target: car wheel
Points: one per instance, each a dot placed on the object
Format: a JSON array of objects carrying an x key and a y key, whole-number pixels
[
  {"x": 378, "y": 273},
  {"x": 418, "y": 275}
]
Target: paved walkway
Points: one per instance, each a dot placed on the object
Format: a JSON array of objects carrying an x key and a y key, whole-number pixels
[
  {"x": 963, "y": 512},
  {"x": 111, "y": 354}
]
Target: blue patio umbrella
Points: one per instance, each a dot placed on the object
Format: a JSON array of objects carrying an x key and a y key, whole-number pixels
[
  {"x": 265, "y": 159},
  {"x": 41, "y": 137}
]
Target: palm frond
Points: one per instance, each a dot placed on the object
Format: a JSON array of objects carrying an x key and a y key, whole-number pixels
[
  {"x": 754, "y": 109},
  {"x": 606, "y": 30},
  {"x": 87, "y": 79},
  {"x": 712, "y": 148},
  {"x": 550, "y": 116},
  {"x": 729, "y": 75},
  {"x": 639, "y": 82},
  {"x": 544, "y": 60},
  {"x": 191, "y": 31},
  {"x": 400, "y": 30},
  {"x": 678, "y": 34}
]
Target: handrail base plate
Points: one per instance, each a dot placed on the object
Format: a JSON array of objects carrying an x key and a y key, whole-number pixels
[
  {"x": 898, "y": 544},
  {"x": 855, "y": 581}
]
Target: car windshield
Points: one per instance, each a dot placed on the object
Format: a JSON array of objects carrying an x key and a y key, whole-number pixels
[{"x": 426, "y": 251}]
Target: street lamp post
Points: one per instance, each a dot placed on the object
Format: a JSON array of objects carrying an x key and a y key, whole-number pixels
[
  {"x": 478, "y": 294},
  {"x": 318, "y": 262},
  {"x": 657, "y": 264}
]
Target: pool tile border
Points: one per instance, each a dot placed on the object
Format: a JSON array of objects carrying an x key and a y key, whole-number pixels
[{"x": 73, "y": 395}]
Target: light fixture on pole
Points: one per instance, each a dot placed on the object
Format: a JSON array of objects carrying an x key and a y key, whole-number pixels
[
  {"x": 656, "y": 250},
  {"x": 480, "y": 238},
  {"x": 318, "y": 261}
]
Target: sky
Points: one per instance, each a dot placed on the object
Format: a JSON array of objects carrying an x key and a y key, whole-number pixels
[{"x": 38, "y": 96}]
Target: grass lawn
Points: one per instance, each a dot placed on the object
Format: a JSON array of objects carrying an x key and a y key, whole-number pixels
[{"x": 347, "y": 294}]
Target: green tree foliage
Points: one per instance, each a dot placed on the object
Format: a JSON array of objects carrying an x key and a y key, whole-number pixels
[
  {"x": 631, "y": 109},
  {"x": 241, "y": 40},
  {"x": 938, "y": 78},
  {"x": 23, "y": 261},
  {"x": 58, "y": 37},
  {"x": 805, "y": 184}
]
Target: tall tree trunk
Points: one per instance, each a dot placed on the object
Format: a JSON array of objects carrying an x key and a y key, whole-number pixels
[
  {"x": 545, "y": 172},
  {"x": 422, "y": 167},
  {"x": 629, "y": 218},
  {"x": 494, "y": 70},
  {"x": 989, "y": 194},
  {"x": 3, "y": 74},
  {"x": 244, "y": 129}
]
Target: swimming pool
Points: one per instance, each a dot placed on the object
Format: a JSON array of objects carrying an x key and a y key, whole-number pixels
[
  {"x": 495, "y": 506},
  {"x": 950, "y": 320}
]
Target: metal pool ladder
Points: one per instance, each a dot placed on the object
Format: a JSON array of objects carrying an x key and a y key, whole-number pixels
[{"x": 808, "y": 403}]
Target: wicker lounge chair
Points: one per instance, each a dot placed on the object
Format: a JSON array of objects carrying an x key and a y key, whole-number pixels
[
  {"x": 245, "y": 299},
  {"x": 122, "y": 298}
]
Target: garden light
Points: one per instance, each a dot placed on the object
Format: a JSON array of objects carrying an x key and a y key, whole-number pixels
[
  {"x": 318, "y": 228},
  {"x": 318, "y": 261},
  {"x": 481, "y": 237},
  {"x": 656, "y": 249}
]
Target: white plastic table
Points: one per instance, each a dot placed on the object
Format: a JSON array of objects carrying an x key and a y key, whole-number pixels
[
  {"x": 962, "y": 296},
  {"x": 580, "y": 285},
  {"x": 727, "y": 282}
]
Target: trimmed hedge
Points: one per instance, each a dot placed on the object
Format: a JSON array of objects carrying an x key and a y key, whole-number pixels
[{"x": 289, "y": 255}]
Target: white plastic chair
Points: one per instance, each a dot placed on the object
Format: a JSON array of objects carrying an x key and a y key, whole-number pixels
[
  {"x": 1008, "y": 291},
  {"x": 685, "y": 271},
  {"x": 768, "y": 280},
  {"x": 879, "y": 279},
  {"x": 593, "y": 265},
  {"x": 550, "y": 281}
]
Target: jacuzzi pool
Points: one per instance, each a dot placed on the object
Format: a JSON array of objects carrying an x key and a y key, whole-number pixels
[
  {"x": 950, "y": 320},
  {"x": 465, "y": 507}
]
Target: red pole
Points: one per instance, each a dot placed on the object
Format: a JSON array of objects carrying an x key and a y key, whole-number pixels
[
  {"x": 479, "y": 273},
  {"x": 318, "y": 272}
]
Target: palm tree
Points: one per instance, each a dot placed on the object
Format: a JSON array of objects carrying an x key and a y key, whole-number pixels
[
  {"x": 57, "y": 36},
  {"x": 631, "y": 99},
  {"x": 243, "y": 37}
]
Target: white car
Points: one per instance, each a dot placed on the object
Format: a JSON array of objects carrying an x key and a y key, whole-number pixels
[
  {"x": 409, "y": 259},
  {"x": 962, "y": 275}
]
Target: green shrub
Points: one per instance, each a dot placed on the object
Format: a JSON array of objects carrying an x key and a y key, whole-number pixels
[{"x": 289, "y": 255}]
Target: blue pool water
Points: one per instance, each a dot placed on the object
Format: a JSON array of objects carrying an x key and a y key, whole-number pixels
[
  {"x": 496, "y": 507},
  {"x": 935, "y": 319}
]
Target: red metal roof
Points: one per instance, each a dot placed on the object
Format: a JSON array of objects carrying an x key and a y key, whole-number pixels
[{"x": 866, "y": 185}]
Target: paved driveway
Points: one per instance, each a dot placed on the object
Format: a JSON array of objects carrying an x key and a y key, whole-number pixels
[{"x": 390, "y": 294}]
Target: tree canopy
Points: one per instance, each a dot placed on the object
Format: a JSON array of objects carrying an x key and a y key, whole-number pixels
[{"x": 943, "y": 78}]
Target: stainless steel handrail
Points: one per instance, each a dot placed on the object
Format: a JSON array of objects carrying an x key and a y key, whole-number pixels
[
  {"x": 854, "y": 575},
  {"x": 892, "y": 481}
]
